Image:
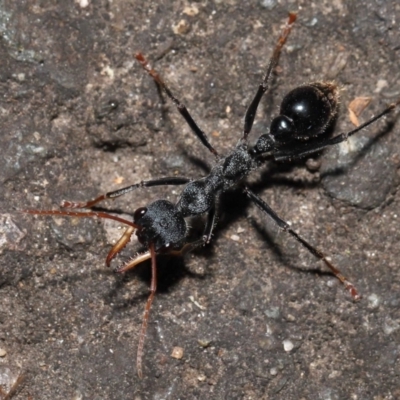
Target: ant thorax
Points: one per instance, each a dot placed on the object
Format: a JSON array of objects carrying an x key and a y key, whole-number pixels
[{"x": 199, "y": 196}]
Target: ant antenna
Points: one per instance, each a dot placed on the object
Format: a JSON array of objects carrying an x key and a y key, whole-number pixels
[{"x": 143, "y": 330}]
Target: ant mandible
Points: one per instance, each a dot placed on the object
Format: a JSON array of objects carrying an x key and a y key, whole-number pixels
[{"x": 296, "y": 132}]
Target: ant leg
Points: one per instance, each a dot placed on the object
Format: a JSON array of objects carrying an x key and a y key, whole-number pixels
[
  {"x": 251, "y": 111},
  {"x": 120, "y": 192},
  {"x": 285, "y": 155},
  {"x": 210, "y": 225},
  {"x": 181, "y": 107},
  {"x": 205, "y": 239},
  {"x": 153, "y": 288},
  {"x": 317, "y": 253}
]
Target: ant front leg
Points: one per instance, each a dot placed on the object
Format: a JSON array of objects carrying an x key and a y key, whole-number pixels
[
  {"x": 206, "y": 237},
  {"x": 211, "y": 222},
  {"x": 174, "y": 180},
  {"x": 317, "y": 253}
]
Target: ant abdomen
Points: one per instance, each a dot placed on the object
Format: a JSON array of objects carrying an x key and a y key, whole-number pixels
[{"x": 305, "y": 112}]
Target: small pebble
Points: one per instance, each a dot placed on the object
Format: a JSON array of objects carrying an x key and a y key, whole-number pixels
[
  {"x": 288, "y": 345},
  {"x": 191, "y": 10},
  {"x": 181, "y": 28},
  {"x": 204, "y": 343},
  {"x": 177, "y": 352},
  {"x": 382, "y": 83},
  {"x": 240, "y": 230},
  {"x": 82, "y": 3},
  {"x": 273, "y": 371},
  {"x": 373, "y": 301},
  {"x": 235, "y": 238},
  {"x": 268, "y": 4}
]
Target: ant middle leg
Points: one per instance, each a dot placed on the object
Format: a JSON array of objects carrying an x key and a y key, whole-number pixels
[
  {"x": 180, "y": 106},
  {"x": 120, "y": 192},
  {"x": 207, "y": 234},
  {"x": 317, "y": 253},
  {"x": 263, "y": 87}
]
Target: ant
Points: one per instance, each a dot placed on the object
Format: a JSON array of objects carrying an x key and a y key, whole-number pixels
[{"x": 161, "y": 228}]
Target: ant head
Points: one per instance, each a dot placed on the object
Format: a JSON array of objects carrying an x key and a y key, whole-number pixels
[
  {"x": 161, "y": 224},
  {"x": 305, "y": 112}
]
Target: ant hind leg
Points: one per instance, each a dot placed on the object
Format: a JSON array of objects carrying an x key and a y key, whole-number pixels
[{"x": 317, "y": 253}]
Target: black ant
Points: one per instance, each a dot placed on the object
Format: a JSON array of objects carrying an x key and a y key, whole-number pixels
[{"x": 161, "y": 227}]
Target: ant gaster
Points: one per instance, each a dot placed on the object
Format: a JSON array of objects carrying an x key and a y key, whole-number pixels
[{"x": 295, "y": 133}]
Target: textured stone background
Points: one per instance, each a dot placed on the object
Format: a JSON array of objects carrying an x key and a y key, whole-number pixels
[{"x": 70, "y": 326}]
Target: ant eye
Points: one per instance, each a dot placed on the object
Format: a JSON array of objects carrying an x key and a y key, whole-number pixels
[{"x": 139, "y": 213}]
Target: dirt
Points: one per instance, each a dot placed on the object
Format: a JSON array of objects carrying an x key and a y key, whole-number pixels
[{"x": 253, "y": 315}]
